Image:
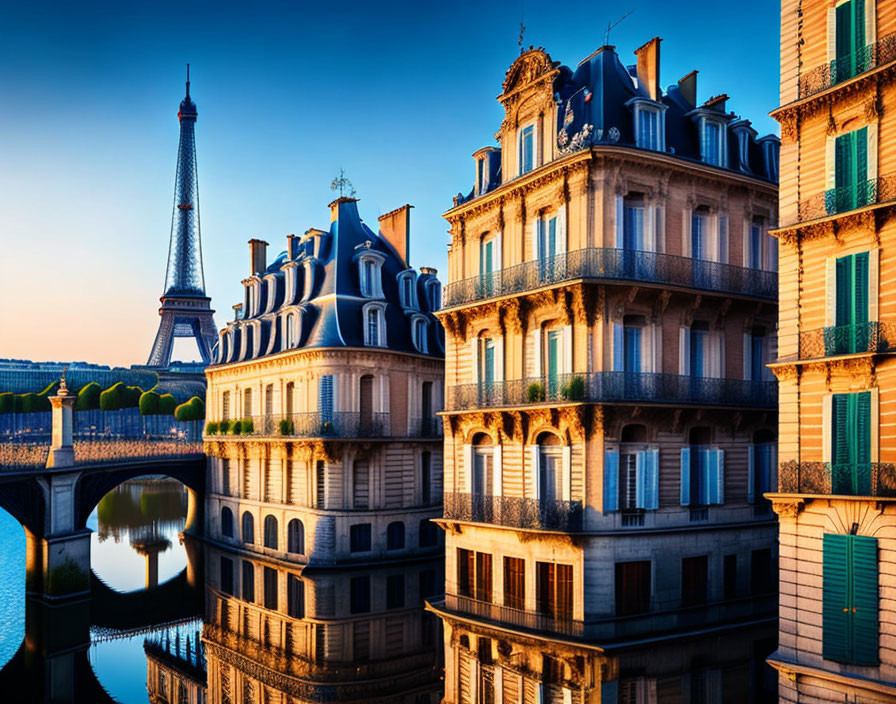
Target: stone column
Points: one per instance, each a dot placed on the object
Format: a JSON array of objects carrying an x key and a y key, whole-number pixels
[{"x": 62, "y": 452}]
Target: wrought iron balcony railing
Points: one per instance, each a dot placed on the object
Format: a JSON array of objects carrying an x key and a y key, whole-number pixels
[
  {"x": 426, "y": 427},
  {"x": 615, "y": 264},
  {"x": 614, "y": 387},
  {"x": 841, "y": 200},
  {"x": 828, "y": 478},
  {"x": 848, "y": 339},
  {"x": 515, "y": 512},
  {"x": 529, "y": 620},
  {"x": 833, "y": 72},
  {"x": 616, "y": 628},
  {"x": 341, "y": 424}
]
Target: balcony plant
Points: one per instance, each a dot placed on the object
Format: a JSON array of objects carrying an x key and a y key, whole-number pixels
[
  {"x": 224, "y": 427},
  {"x": 535, "y": 392},
  {"x": 211, "y": 428},
  {"x": 248, "y": 426},
  {"x": 287, "y": 427},
  {"x": 574, "y": 389}
]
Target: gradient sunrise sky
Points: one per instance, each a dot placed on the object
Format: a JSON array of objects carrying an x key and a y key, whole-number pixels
[{"x": 398, "y": 94}]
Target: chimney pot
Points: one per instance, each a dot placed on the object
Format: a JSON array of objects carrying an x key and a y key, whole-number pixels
[{"x": 258, "y": 256}]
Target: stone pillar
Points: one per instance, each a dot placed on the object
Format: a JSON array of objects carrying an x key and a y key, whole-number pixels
[{"x": 62, "y": 452}]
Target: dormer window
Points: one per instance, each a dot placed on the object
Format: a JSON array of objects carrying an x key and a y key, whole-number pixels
[
  {"x": 743, "y": 149},
  {"x": 374, "y": 321},
  {"x": 712, "y": 142},
  {"x": 370, "y": 264},
  {"x": 481, "y": 176},
  {"x": 419, "y": 333},
  {"x": 406, "y": 292},
  {"x": 770, "y": 151},
  {"x": 434, "y": 295},
  {"x": 527, "y": 148},
  {"x": 649, "y": 118}
]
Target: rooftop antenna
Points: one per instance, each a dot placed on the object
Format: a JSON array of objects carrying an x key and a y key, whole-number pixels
[
  {"x": 614, "y": 24},
  {"x": 522, "y": 26},
  {"x": 188, "y": 80}
]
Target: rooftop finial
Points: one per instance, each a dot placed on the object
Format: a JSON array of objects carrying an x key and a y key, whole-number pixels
[
  {"x": 342, "y": 184},
  {"x": 522, "y": 26},
  {"x": 188, "y": 80}
]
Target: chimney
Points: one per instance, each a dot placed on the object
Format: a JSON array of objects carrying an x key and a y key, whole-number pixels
[
  {"x": 258, "y": 256},
  {"x": 292, "y": 246},
  {"x": 688, "y": 88},
  {"x": 344, "y": 207},
  {"x": 649, "y": 67},
  {"x": 395, "y": 228}
]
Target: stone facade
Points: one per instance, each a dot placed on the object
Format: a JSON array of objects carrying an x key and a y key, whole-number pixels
[
  {"x": 609, "y": 421},
  {"x": 838, "y": 65}
]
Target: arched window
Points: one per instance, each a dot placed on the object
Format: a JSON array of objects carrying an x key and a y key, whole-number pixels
[
  {"x": 226, "y": 522},
  {"x": 270, "y": 532},
  {"x": 248, "y": 528},
  {"x": 290, "y": 331},
  {"x": 427, "y": 534},
  {"x": 395, "y": 536},
  {"x": 550, "y": 469},
  {"x": 419, "y": 333},
  {"x": 296, "y": 537},
  {"x": 406, "y": 289},
  {"x": 434, "y": 294},
  {"x": 374, "y": 323},
  {"x": 370, "y": 264}
]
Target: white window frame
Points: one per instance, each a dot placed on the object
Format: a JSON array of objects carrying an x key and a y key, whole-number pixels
[
  {"x": 408, "y": 301},
  {"x": 830, "y": 308},
  {"x": 534, "y": 125},
  {"x": 827, "y": 408},
  {"x": 434, "y": 294},
  {"x": 380, "y": 310},
  {"x": 723, "y": 140},
  {"x": 370, "y": 289},
  {"x": 638, "y": 105}
]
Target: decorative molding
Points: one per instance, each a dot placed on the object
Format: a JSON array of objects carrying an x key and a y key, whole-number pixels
[{"x": 788, "y": 508}]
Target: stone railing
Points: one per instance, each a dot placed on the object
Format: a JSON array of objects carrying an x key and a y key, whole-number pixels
[
  {"x": 607, "y": 263},
  {"x": 848, "y": 339},
  {"x": 839, "y": 70},
  {"x": 514, "y": 512},
  {"x": 341, "y": 424},
  {"x": 614, "y": 387},
  {"x": 828, "y": 478},
  {"x": 841, "y": 200}
]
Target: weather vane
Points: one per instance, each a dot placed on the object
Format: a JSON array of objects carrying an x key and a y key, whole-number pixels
[
  {"x": 342, "y": 184},
  {"x": 522, "y": 26}
]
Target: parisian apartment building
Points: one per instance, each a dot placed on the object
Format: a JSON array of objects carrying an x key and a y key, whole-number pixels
[
  {"x": 324, "y": 472},
  {"x": 610, "y": 418},
  {"x": 837, "y": 377}
]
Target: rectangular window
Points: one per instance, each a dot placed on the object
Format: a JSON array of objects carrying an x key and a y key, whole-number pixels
[
  {"x": 762, "y": 576},
  {"x": 227, "y": 576},
  {"x": 711, "y": 144},
  {"x": 225, "y": 405},
  {"x": 851, "y": 444},
  {"x": 270, "y": 588},
  {"x": 247, "y": 403},
  {"x": 269, "y": 400},
  {"x": 359, "y": 595},
  {"x": 426, "y": 477},
  {"x": 360, "y": 484},
  {"x": 852, "y": 189},
  {"x": 634, "y": 217},
  {"x": 755, "y": 246},
  {"x": 694, "y": 580},
  {"x": 515, "y": 582},
  {"x": 248, "y": 584},
  {"x": 553, "y": 590},
  {"x": 851, "y": 55},
  {"x": 359, "y": 537},
  {"x": 730, "y": 577},
  {"x": 649, "y": 129},
  {"x": 851, "y": 332},
  {"x": 373, "y": 327},
  {"x": 395, "y": 591},
  {"x": 321, "y": 480},
  {"x": 466, "y": 569},
  {"x": 483, "y": 576},
  {"x": 325, "y": 398},
  {"x": 547, "y": 239},
  {"x": 295, "y": 597},
  {"x": 850, "y": 629},
  {"x": 474, "y": 574},
  {"x": 632, "y": 588},
  {"x": 527, "y": 149}
]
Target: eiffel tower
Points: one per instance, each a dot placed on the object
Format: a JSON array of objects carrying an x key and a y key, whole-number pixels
[{"x": 186, "y": 310}]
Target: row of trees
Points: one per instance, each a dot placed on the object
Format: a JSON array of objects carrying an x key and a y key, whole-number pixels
[{"x": 116, "y": 397}]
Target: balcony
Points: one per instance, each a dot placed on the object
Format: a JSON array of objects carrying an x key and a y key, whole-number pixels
[
  {"x": 862, "y": 338},
  {"x": 605, "y": 263},
  {"x": 837, "y": 71},
  {"x": 515, "y": 512},
  {"x": 614, "y": 387},
  {"x": 426, "y": 427},
  {"x": 830, "y": 479},
  {"x": 624, "y": 628},
  {"x": 846, "y": 198},
  {"x": 342, "y": 424}
]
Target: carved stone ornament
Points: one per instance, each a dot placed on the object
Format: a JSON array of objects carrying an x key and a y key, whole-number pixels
[{"x": 788, "y": 508}]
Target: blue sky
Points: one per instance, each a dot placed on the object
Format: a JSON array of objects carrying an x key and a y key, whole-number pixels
[{"x": 398, "y": 94}]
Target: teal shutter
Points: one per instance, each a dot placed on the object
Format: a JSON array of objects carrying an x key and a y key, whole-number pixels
[
  {"x": 685, "y": 476},
  {"x": 611, "y": 480},
  {"x": 865, "y": 601},
  {"x": 844, "y": 291},
  {"x": 860, "y": 147},
  {"x": 860, "y": 289},
  {"x": 850, "y": 624},
  {"x": 840, "y": 450},
  {"x": 836, "y": 631}
]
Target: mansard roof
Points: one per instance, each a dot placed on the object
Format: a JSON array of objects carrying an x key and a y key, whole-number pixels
[
  {"x": 312, "y": 290},
  {"x": 594, "y": 106}
]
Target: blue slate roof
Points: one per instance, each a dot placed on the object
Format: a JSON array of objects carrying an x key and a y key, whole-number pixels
[
  {"x": 326, "y": 301},
  {"x": 592, "y": 101}
]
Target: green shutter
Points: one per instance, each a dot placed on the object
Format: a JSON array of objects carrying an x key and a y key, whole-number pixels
[
  {"x": 860, "y": 289},
  {"x": 844, "y": 291},
  {"x": 863, "y": 427},
  {"x": 840, "y": 450},
  {"x": 865, "y": 627},
  {"x": 835, "y": 598},
  {"x": 850, "y": 628},
  {"x": 843, "y": 160}
]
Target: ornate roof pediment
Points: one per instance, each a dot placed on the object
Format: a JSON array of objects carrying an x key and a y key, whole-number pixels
[{"x": 528, "y": 68}]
